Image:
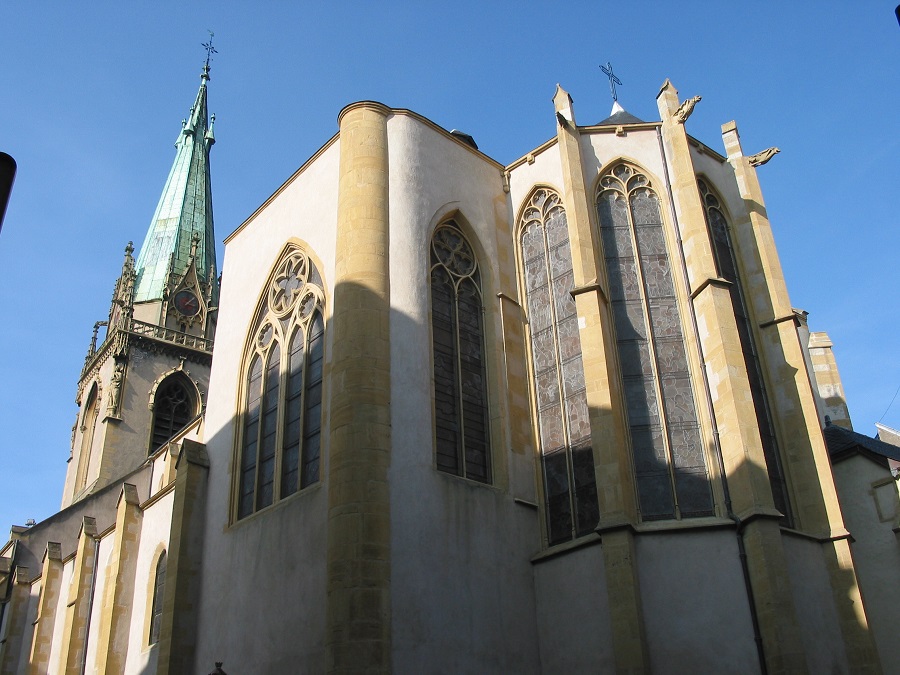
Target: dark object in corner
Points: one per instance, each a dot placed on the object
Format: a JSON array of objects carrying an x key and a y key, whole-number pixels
[{"x": 464, "y": 137}]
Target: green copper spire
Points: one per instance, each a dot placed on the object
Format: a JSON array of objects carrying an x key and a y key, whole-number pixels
[{"x": 185, "y": 207}]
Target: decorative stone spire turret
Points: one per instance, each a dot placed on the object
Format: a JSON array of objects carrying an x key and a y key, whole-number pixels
[{"x": 184, "y": 209}]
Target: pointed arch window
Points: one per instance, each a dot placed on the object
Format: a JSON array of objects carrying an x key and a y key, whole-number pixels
[
  {"x": 669, "y": 460},
  {"x": 174, "y": 405},
  {"x": 156, "y": 608},
  {"x": 564, "y": 431},
  {"x": 282, "y": 421},
  {"x": 462, "y": 426},
  {"x": 88, "y": 426},
  {"x": 726, "y": 263}
]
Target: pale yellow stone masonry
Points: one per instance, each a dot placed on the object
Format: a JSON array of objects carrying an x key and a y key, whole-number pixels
[
  {"x": 78, "y": 608},
  {"x": 358, "y": 606},
  {"x": 51, "y": 579},
  {"x": 18, "y": 610},
  {"x": 813, "y": 495},
  {"x": 118, "y": 594},
  {"x": 612, "y": 463},
  {"x": 735, "y": 417}
]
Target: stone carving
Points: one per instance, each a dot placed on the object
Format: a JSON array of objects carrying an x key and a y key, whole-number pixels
[
  {"x": 115, "y": 391},
  {"x": 685, "y": 109},
  {"x": 761, "y": 158}
]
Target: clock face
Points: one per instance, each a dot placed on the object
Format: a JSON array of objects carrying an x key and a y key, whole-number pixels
[{"x": 187, "y": 303}]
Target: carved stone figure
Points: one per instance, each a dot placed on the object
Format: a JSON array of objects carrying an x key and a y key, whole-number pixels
[
  {"x": 685, "y": 109},
  {"x": 115, "y": 390},
  {"x": 761, "y": 158}
]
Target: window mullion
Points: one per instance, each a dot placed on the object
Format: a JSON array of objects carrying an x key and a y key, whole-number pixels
[
  {"x": 564, "y": 418},
  {"x": 460, "y": 412},
  {"x": 651, "y": 346}
]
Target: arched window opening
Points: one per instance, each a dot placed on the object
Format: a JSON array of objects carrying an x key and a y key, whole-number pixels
[
  {"x": 462, "y": 424},
  {"x": 282, "y": 419},
  {"x": 726, "y": 263},
  {"x": 669, "y": 460},
  {"x": 564, "y": 430},
  {"x": 173, "y": 408},
  {"x": 88, "y": 426},
  {"x": 156, "y": 609}
]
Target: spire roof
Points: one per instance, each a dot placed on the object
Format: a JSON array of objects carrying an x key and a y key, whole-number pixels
[
  {"x": 620, "y": 116},
  {"x": 185, "y": 207}
]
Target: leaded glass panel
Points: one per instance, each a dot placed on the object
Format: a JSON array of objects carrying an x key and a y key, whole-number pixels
[
  {"x": 280, "y": 435},
  {"x": 462, "y": 430},
  {"x": 564, "y": 432},
  {"x": 659, "y": 401}
]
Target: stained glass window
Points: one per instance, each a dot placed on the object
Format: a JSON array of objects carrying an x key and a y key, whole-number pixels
[
  {"x": 564, "y": 431},
  {"x": 173, "y": 407},
  {"x": 159, "y": 584},
  {"x": 462, "y": 429},
  {"x": 726, "y": 263},
  {"x": 282, "y": 420},
  {"x": 669, "y": 461}
]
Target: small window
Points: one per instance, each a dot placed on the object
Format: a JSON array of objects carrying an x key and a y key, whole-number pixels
[
  {"x": 462, "y": 425},
  {"x": 173, "y": 408},
  {"x": 159, "y": 584}
]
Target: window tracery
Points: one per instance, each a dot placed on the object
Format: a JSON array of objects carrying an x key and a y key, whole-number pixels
[
  {"x": 462, "y": 426},
  {"x": 174, "y": 405},
  {"x": 282, "y": 420},
  {"x": 564, "y": 432},
  {"x": 726, "y": 263},
  {"x": 670, "y": 464}
]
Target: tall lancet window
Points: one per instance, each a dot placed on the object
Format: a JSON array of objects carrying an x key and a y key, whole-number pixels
[
  {"x": 88, "y": 425},
  {"x": 564, "y": 431},
  {"x": 726, "y": 263},
  {"x": 462, "y": 427},
  {"x": 667, "y": 447},
  {"x": 282, "y": 419}
]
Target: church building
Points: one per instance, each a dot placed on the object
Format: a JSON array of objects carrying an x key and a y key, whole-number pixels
[{"x": 449, "y": 416}]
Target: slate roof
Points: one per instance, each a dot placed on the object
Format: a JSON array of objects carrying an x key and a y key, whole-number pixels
[
  {"x": 842, "y": 443},
  {"x": 619, "y": 116}
]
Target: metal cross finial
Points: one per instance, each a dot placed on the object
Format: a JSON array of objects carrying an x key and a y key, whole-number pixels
[
  {"x": 613, "y": 80},
  {"x": 210, "y": 50}
]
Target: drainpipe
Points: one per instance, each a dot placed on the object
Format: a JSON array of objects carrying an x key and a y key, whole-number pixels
[{"x": 738, "y": 523}]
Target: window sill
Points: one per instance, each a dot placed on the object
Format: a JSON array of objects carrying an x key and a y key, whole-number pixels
[{"x": 280, "y": 504}]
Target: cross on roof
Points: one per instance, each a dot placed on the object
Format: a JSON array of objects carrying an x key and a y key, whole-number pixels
[
  {"x": 613, "y": 80},
  {"x": 210, "y": 50}
]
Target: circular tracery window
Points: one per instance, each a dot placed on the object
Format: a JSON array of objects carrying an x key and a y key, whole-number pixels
[{"x": 289, "y": 280}]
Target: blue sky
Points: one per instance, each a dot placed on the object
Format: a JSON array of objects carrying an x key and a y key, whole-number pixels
[{"x": 91, "y": 102}]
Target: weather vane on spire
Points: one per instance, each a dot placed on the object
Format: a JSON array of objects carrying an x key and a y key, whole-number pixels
[
  {"x": 210, "y": 50},
  {"x": 613, "y": 80}
]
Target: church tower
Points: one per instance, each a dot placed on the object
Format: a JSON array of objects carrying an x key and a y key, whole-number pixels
[{"x": 147, "y": 378}]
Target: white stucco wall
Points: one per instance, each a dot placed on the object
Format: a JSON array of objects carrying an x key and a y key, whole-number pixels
[
  {"x": 573, "y": 613},
  {"x": 155, "y": 525},
  {"x": 269, "y": 568},
  {"x": 462, "y": 592},
  {"x": 868, "y": 496},
  {"x": 814, "y": 602},
  {"x": 696, "y": 610}
]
